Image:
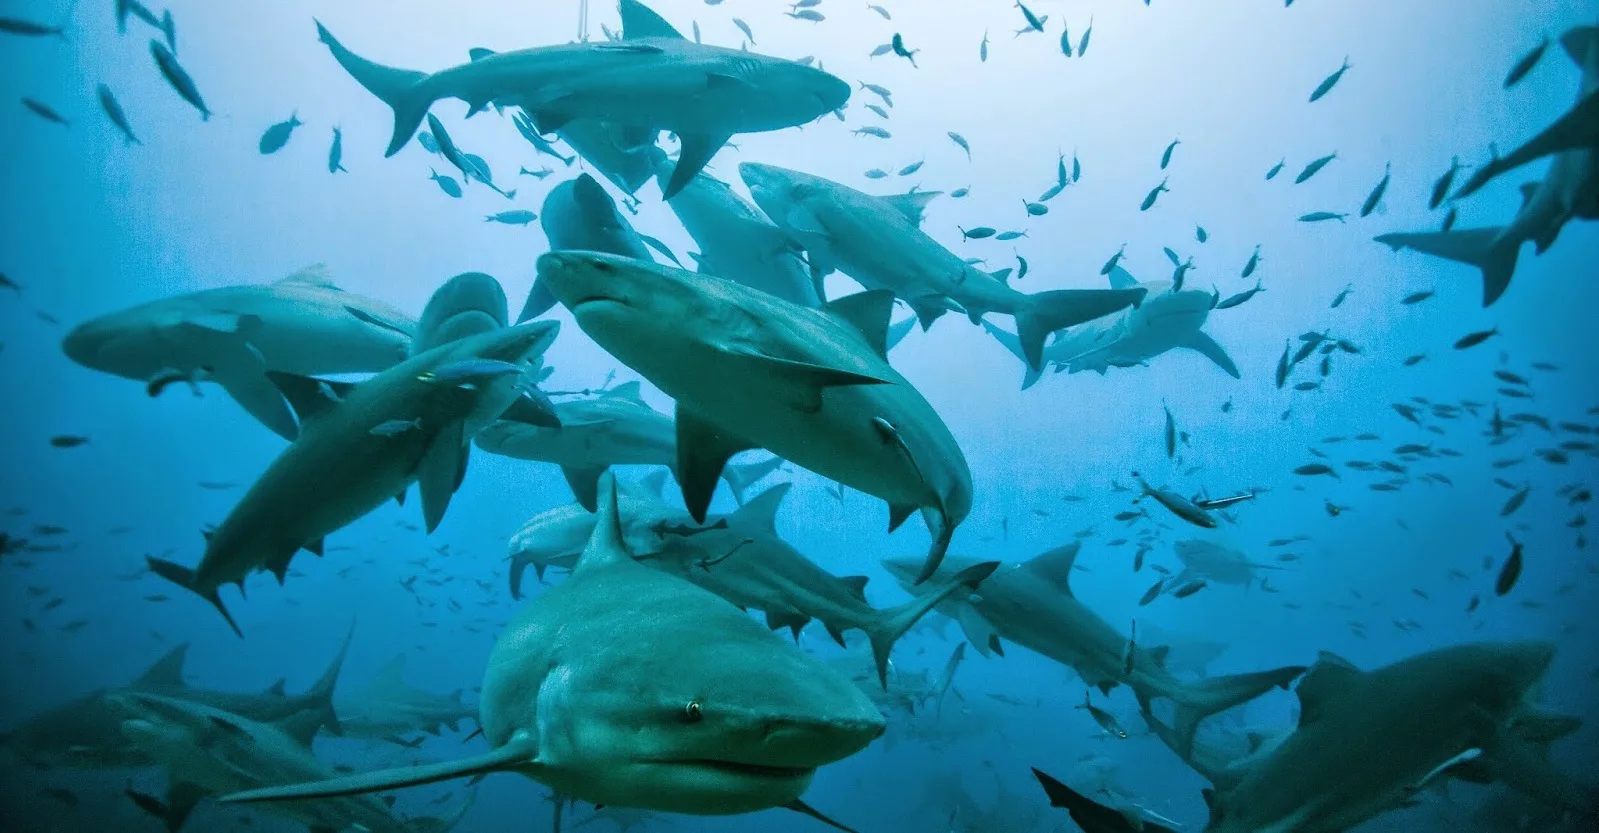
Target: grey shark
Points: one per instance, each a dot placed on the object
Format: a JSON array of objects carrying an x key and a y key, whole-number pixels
[
  {"x": 879, "y": 242},
  {"x": 343, "y": 465},
  {"x": 1368, "y": 741},
  {"x": 1032, "y": 604},
  {"x": 750, "y": 370},
  {"x": 578, "y": 214},
  {"x": 388, "y": 707},
  {"x": 1212, "y": 562},
  {"x": 691, "y": 707},
  {"x": 302, "y": 324},
  {"x": 1568, "y": 191},
  {"x": 1132, "y": 337},
  {"x": 652, "y": 80}
]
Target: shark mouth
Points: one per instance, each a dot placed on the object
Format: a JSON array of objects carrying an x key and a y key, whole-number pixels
[
  {"x": 755, "y": 770},
  {"x": 597, "y": 299}
]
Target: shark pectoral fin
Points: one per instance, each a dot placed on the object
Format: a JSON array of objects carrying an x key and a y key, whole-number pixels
[
  {"x": 1206, "y": 346},
  {"x": 660, "y": 247},
  {"x": 887, "y": 626},
  {"x": 928, "y": 310},
  {"x": 868, "y": 312},
  {"x": 703, "y": 450},
  {"x": 977, "y": 630},
  {"x": 439, "y": 474},
  {"x": 695, "y": 150},
  {"x": 310, "y": 398},
  {"x": 1544, "y": 727},
  {"x": 805, "y": 379},
  {"x": 896, "y": 331},
  {"x": 533, "y": 408},
  {"x": 898, "y": 514},
  {"x": 243, "y": 374},
  {"x": 181, "y": 799},
  {"x": 518, "y": 754},
  {"x": 802, "y": 808},
  {"x": 585, "y": 483}
]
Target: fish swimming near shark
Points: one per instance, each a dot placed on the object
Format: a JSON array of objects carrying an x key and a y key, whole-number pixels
[
  {"x": 603, "y": 689},
  {"x": 653, "y": 79},
  {"x": 878, "y": 241},
  {"x": 302, "y": 325}
]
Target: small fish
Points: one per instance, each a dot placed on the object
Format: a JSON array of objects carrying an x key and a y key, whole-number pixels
[
  {"x": 1449, "y": 219},
  {"x": 812, "y": 15},
  {"x": 1053, "y": 192},
  {"x": 1010, "y": 235},
  {"x": 912, "y": 168},
  {"x": 976, "y": 234},
  {"x": 68, "y": 440},
  {"x": 1114, "y": 259},
  {"x": 1515, "y": 502},
  {"x": 898, "y": 43},
  {"x": 1526, "y": 63},
  {"x": 982, "y": 49},
  {"x": 44, "y": 111},
  {"x": 1066, "y": 41},
  {"x": 1200, "y": 234},
  {"x": 1254, "y": 261},
  {"x": 1152, "y": 593},
  {"x": 336, "y": 153},
  {"x": 1082, "y": 45},
  {"x": 1105, "y": 719},
  {"x": 873, "y": 130},
  {"x": 1171, "y": 433},
  {"x": 1034, "y": 22},
  {"x": 28, "y": 28},
  {"x": 1035, "y": 209},
  {"x": 1476, "y": 338},
  {"x": 1165, "y": 158},
  {"x": 515, "y": 217},
  {"x": 960, "y": 140},
  {"x": 1021, "y": 271},
  {"x": 1283, "y": 365},
  {"x": 1314, "y": 167},
  {"x": 1327, "y": 84},
  {"x": 876, "y": 173},
  {"x": 1188, "y": 590},
  {"x": 959, "y": 193},
  {"x": 1154, "y": 194},
  {"x": 178, "y": 77},
  {"x": 1440, "y": 188},
  {"x": 1416, "y": 297},
  {"x": 1412, "y": 361},
  {"x": 1276, "y": 169},
  {"x": 276, "y": 136},
  {"x": 745, "y": 28},
  {"x": 395, "y": 427},
  {"x": 447, "y": 184},
  {"x": 1224, "y": 502},
  {"x": 882, "y": 11},
  {"x": 1313, "y": 469},
  {"x": 538, "y": 174},
  {"x": 1322, "y": 216},
  {"x": 1240, "y": 298},
  {"x": 1375, "y": 196},
  {"x": 1342, "y": 296},
  {"x": 148, "y": 803},
  {"x": 1510, "y": 571}
]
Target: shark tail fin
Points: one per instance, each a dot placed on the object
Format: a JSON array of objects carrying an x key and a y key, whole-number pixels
[
  {"x": 1485, "y": 248},
  {"x": 1213, "y": 695},
  {"x": 885, "y": 627},
  {"x": 1046, "y": 312},
  {"x": 184, "y": 577},
  {"x": 401, "y": 89},
  {"x": 1014, "y": 345},
  {"x": 320, "y": 696}
]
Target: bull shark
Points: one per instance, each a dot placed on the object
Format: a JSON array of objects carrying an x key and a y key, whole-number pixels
[
  {"x": 83, "y": 733},
  {"x": 750, "y": 370},
  {"x": 652, "y": 80},
  {"x": 1131, "y": 337},
  {"x": 1368, "y": 741},
  {"x": 1094, "y": 817},
  {"x": 579, "y": 214},
  {"x": 879, "y": 242},
  {"x": 611, "y": 149},
  {"x": 344, "y": 463},
  {"x": 302, "y": 324},
  {"x": 388, "y": 708},
  {"x": 1032, "y": 604},
  {"x": 1569, "y": 190},
  {"x": 208, "y": 752},
  {"x": 1214, "y": 563},
  {"x": 738, "y": 242},
  {"x": 902, "y": 692},
  {"x": 627, "y": 686}
]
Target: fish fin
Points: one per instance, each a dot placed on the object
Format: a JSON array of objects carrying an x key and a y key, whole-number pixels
[
  {"x": 533, "y": 407},
  {"x": 1121, "y": 279},
  {"x": 319, "y": 697},
  {"x": 185, "y": 578},
  {"x": 1528, "y": 190},
  {"x": 401, "y": 89},
  {"x": 585, "y": 484},
  {"x": 519, "y": 755},
  {"x": 703, "y": 450},
  {"x": 885, "y": 627},
  {"x": 897, "y": 332},
  {"x": 607, "y": 545},
  {"x": 182, "y": 797},
  {"x": 740, "y": 476},
  {"x": 855, "y": 585},
  {"x": 1010, "y": 342},
  {"x": 241, "y": 371},
  {"x": 1055, "y": 566},
  {"x": 439, "y": 474},
  {"x": 794, "y": 621},
  {"x": 1046, "y": 312},
  {"x": 912, "y": 205},
  {"x": 639, "y": 21},
  {"x": 978, "y": 631},
  {"x": 660, "y": 247},
  {"x": 1206, "y": 346},
  {"x": 539, "y": 301},
  {"x": 761, "y": 511},
  {"x": 696, "y": 149},
  {"x": 315, "y": 274},
  {"x": 809, "y": 378},
  {"x": 306, "y": 395},
  {"x": 1211, "y": 695},
  {"x": 478, "y": 53},
  {"x": 301, "y": 726},
  {"x": 1484, "y": 248},
  {"x": 868, "y": 312},
  {"x": 166, "y": 673},
  {"x": 804, "y": 809},
  {"x": 898, "y": 514}
]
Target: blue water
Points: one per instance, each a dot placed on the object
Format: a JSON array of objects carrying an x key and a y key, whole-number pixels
[{"x": 92, "y": 226}]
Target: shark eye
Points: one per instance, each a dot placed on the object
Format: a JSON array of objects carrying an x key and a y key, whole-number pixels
[{"x": 692, "y": 712}]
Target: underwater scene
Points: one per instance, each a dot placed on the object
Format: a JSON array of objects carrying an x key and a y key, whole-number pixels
[{"x": 945, "y": 416}]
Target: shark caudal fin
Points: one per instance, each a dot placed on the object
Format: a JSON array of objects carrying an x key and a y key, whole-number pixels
[
  {"x": 1046, "y": 312},
  {"x": 399, "y": 88},
  {"x": 1484, "y": 248},
  {"x": 885, "y": 627},
  {"x": 1202, "y": 698},
  {"x": 320, "y": 696},
  {"x": 184, "y": 577},
  {"x": 1010, "y": 342}
]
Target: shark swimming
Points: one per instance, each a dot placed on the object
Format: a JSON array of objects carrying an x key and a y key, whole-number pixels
[
  {"x": 302, "y": 324},
  {"x": 579, "y": 214},
  {"x": 879, "y": 242},
  {"x": 387, "y": 707},
  {"x": 626, "y": 686}
]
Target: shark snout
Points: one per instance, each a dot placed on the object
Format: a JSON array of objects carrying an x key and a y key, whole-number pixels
[{"x": 814, "y": 744}]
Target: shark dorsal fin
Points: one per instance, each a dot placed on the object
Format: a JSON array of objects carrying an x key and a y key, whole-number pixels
[
  {"x": 607, "y": 545},
  {"x": 1055, "y": 566},
  {"x": 626, "y": 390},
  {"x": 1327, "y": 681},
  {"x": 911, "y": 204},
  {"x": 761, "y": 511},
  {"x": 167, "y": 672},
  {"x": 869, "y": 313},
  {"x": 1581, "y": 44},
  {"x": 640, "y": 21},
  {"x": 279, "y": 688},
  {"x": 479, "y": 53},
  {"x": 654, "y": 483},
  {"x": 302, "y": 726},
  {"x": 314, "y": 275},
  {"x": 390, "y": 677},
  {"x": 857, "y": 588},
  {"x": 1121, "y": 279},
  {"x": 1527, "y": 190}
]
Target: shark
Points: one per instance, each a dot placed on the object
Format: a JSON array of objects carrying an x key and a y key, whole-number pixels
[
  {"x": 1032, "y": 604},
  {"x": 653, "y": 79},
  {"x": 1132, "y": 337},
  {"x": 344, "y": 463},
  {"x": 83, "y": 733},
  {"x": 1568, "y": 191},
  {"x": 750, "y": 370},
  {"x": 614, "y": 149},
  {"x": 579, "y": 214},
  {"x": 738, "y": 242},
  {"x": 626, "y": 686},
  {"x": 878, "y": 241},
  {"x": 1214, "y": 563},
  {"x": 1094, "y": 817},
  {"x": 389, "y": 708},
  {"x": 1368, "y": 741},
  {"x": 234, "y": 335},
  {"x": 208, "y": 751},
  {"x": 901, "y": 692}
]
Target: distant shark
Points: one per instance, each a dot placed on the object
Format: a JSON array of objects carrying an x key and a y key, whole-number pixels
[
  {"x": 388, "y": 708},
  {"x": 1569, "y": 190},
  {"x": 1131, "y": 337},
  {"x": 603, "y": 689},
  {"x": 1209, "y": 561},
  {"x": 652, "y": 80},
  {"x": 879, "y": 242},
  {"x": 302, "y": 324}
]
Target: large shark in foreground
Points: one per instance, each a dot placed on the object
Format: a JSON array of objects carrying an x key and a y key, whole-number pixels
[
  {"x": 626, "y": 686},
  {"x": 1134, "y": 336},
  {"x": 1032, "y": 605},
  {"x": 652, "y": 80},
  {"x": 1368, "y": 741},
  {"x": 879, "y": 242},
  {"x": 302, "y": 324},
  {"x": 1568, "y": 191}
]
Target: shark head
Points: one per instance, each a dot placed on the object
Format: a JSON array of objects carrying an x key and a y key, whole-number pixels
[
  {"x": 1184, "y": 311},
  {"x": 781, "y": 93},
  {"x": 776, "y": 189},
  {"x": 1500, "y": 675},
  {"x": 466, "y": 304},
  {"x": 123, "y": 343},
  {"x": 161, "y": 728},
  {"x": 619, "y": 299}
]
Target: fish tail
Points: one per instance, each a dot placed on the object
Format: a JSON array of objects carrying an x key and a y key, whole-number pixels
[
  {"x": 1485, "y": 248},
  {"x": 885, "y": 627},
  {"x": 401, "y": 89},
  {"x": 321, "y": 694},
  {"x": 184, "y": 577},
  {"x": 1213, "y": 695},
  {"x": 1046, "y": 312}
]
